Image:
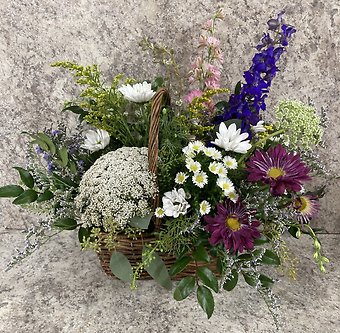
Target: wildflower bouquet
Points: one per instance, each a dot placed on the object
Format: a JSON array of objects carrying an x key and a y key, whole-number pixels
[{"x": 215, "y": 201}]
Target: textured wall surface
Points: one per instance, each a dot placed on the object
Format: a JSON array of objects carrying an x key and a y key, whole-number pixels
[{"x": 60, "y": 289}]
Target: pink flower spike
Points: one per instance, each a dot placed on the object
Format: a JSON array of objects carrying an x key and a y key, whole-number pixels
[
  {"x": 193, "y": 94},
  {"x": 213, "y": 42},
  {"x": 208, "y": 25}
]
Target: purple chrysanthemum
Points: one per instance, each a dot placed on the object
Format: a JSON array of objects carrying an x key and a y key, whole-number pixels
[
  {"x": 233, "y": 226},
  {"x": 282, "y": 170},
  {"x": 307, "y": 207}
]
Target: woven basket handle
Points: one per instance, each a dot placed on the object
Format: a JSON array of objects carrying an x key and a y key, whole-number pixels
[{"x": 160, "y": 99}]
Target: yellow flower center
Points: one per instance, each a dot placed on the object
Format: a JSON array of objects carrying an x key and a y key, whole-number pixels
[
  {"x": 233, "y": 223},
  {"x": 275, "y": 172},
  {"x": 199, "y": 179},
  {"x": 304, "y": 206}
]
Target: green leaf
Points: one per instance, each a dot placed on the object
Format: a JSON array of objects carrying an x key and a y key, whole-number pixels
[
  {"x": 231, "y": 281},
  {"x": 250, "y": 279},
  {"x": 270, "y": 258},
  {"x": 25, "y": 177},
  {"x": 66, "y": 223},
  {"x": 201, "y": 254},
  {"x": 294, "y": 231},
  {"x": 245, "y": 257},
  {"x": 157, "y": 270},
  {"x": 43, "y": 145},
  {"x": 237, "y": 122},
  {"x": 47, "y": 195},
  {"x": 266, "y": 281},
  {"x": 75, "y": 109},
  {"x": 48, "y": 141},
  {"x": 63, "y": 154},
  {"x": 73, "y": 167},
  {"x": 141, "y": 222},
  {"x": 10, "y": 191},
  {"x": 221, "y": 105},
  {"x": 120, "y": 266},
  {"x": 184, "y": 288},
  {"x": 26, "y": 197},
  {"x": 83, "y": 233},
  {"x": 179, "y": 265},
  {"x": 261, "y": 241},
  {"x": 205, "y": 300},
  {"x": 207, "y": 277},
  {"x": 157, "y": 83},
  {"x": 238, "y": 88}
]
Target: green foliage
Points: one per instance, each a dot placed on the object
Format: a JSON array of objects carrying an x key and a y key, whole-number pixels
[
  {"x": 206, "y": 300},
  {"x": 179, "y": 265},
  {"x": 26, "y": 197},
  {"x": 207, "y": 277},
  {"x": 184, "y": 288},
  {"x": 231, "y": 280},
  {"x": 25, "y": 177},
  {"x": 66, "y": 223},
  {"x": 120, "y": 266},
  {"x": 9, "y": 191}
]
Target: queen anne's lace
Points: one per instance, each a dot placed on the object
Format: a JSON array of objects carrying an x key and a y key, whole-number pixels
[{"x": 116, "y": 188}]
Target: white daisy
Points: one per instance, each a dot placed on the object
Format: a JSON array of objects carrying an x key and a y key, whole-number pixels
[
  {"x": 230, "y": 162},
  {"x": 205, "y": 207},
  {"x": 213, "y": 153},
  {"x": 233, "y": 196},
  {"x": 188, "y": 152},
  {"x": 181, "y": 178},
  {"x": 159, "y": 212},
  {"x": 192, "y": 165},
  {"x": 231, "y": 139},
  {"x": 226, "y": 185},
  {"x": 196, "y": 146},
  {"x": 213, "y": 167},
  {"x": 138, "y": 93},
  {"x": 200, "y": 179},
  {"x": 221, "y": 170}
]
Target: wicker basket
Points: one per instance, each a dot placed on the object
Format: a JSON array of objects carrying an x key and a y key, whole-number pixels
[{"x": 132, "y": 248}]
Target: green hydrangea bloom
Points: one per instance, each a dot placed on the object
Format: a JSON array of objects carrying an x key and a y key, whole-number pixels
[{"x": 301, "y": 124}]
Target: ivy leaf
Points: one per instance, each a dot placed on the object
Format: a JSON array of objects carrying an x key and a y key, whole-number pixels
[
  {"x": 63, "y": 154},
  {"x": 25, "y": 177},
  {"x": 270, "y": 258},
  {"x": 201, "y": 254},
  {"x": 66, "y": 223},
  {"x": 179, "y": 265},
  {"x": 231, "y": 281},
  {"x": 47, "y": 195},
  {"x": 157, "y": 270},
  {"x": 10, "y": 191},
  {"x": 184, "y": 288},
  {"x": 26, "y": 197},
  {"x": 206, "y": 300},
  {"x": 120, "y": 266},
  {"x": 48, "y": 141},
  {"x": 207, "y": 277},
  {"x": 141, "y": 222}
]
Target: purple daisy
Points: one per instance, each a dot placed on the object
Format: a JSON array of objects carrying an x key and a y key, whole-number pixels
[
  {"x": 233, "y": 226},
  {"x": 282, "y": 170},
  {"x": 307, "y": 207}
]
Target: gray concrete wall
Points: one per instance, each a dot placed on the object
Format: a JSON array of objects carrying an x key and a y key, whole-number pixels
[{"x": 34, "y": 34}]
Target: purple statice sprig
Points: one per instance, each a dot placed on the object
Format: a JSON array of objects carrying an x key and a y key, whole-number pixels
[{"x": 249, "y": 97}]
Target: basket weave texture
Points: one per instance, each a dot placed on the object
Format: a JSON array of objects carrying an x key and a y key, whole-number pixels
[{"x": 132, "y": 248}]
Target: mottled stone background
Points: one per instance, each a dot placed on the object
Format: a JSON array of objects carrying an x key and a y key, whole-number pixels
[{"x": 60, "y": 289}]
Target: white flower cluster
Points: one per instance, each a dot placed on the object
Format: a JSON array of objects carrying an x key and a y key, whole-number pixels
[
  {"x": 116, "y": 188},
  {"x": 174, "y": 202}
]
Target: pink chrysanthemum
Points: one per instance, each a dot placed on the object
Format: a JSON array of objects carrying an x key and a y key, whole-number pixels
[
  {"x": 307, "y": 207},
  {"x": 233, "y": 226},
  {"x": 282, "y": 170}
]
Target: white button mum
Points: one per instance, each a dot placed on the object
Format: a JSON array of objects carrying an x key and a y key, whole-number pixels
[
  {"x": 96, "y": 140},
  {"x": 138, "y": 93},
  {"x": 193, "y": 166},
  {"x": 181, "y": 177},
  {"x": 213, "y": 153},
  {"x": 174, "y": 203},
  {"x": 200, "y": 179},
  {"x": 230, "y": 162},
  {"x": 205, "y": 207},
  {"x": 231, "y": 139},
  {"x": 226, "y": 185},
  {"x": 196, "y": 146}
]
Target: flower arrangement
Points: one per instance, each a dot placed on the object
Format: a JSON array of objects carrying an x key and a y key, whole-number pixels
[{"x": 228, "y": 185}]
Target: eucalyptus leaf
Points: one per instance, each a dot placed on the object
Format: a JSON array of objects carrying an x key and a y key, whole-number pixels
[
  {"x": 26, "y": 197},
  {"x": 141, "y": 222},
  {"x": 158, "y": 271},
  {"x": 25, "y": 177},
  {"x": 120, "y": 266},
  {"x": 10, "y": 191},
  {"x": 184, "y": 288},
  {"x": 206, "y": 300},
  {"x": 207, "y": 277}
]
